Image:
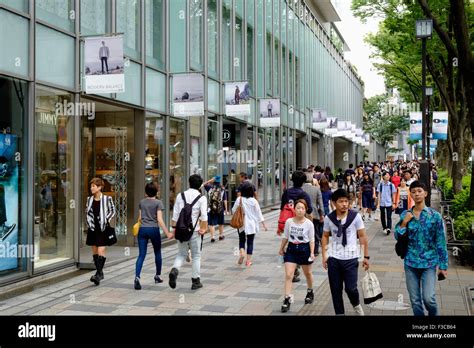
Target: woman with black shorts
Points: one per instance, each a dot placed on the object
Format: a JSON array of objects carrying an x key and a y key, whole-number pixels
[{"x": 299, "y": 234}]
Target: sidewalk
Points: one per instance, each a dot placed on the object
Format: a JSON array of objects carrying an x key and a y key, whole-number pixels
[{"x": 230, "y": 289}]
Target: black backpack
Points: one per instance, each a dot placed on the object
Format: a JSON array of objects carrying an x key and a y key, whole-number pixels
[
  {"x": 401, "y": 247},
  {"x": 184, "y": 226}
]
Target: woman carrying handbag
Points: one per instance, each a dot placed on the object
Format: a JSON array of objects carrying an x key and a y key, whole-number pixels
[{"x": 100, "y": 210}]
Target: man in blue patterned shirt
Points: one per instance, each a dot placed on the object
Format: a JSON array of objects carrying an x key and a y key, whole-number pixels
[{"x": 427, "y": 251}]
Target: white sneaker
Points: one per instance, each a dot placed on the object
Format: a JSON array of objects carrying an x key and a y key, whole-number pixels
[
  {"x": 384, "y": 231},
  {"x": 358, "y": 309}
]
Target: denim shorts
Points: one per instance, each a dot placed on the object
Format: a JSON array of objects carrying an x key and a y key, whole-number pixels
[
  {"x": 367, "y": 199},
  {"x": 298, "y": 253}
]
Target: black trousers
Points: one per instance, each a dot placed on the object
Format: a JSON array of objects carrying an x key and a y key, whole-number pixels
[{"x": 386, "y": 217}]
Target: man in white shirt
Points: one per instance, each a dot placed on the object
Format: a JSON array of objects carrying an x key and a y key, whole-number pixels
[
  {"x": 199, "y": 212},
  {"x": 342, "y": 263}
]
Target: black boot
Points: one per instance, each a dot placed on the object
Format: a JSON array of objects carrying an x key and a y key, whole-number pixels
[
  {"x": 96, "y": 278},
  {"x": 286, "y": 305},
  {"x": 309, "y": 296},
  {"x": 101, "y": 260},
  {"x": 173, "y": 276},
  {"x": 196, "y": 283}
]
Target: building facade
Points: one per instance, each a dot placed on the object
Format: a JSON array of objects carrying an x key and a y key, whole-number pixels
[{"x": 281, "y": 47}]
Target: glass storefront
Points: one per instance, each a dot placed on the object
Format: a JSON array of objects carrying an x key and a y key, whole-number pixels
[
  {"x": 154, "y": 155},
  {"x": 13, "y": 199},
  {"x": 270, "y": 169},
  {"x": 260, "y": 165},
  {"x": 54, "y": 177},
  {"x": 177, "y": 160},
  {"x": 212, "y": 148}
]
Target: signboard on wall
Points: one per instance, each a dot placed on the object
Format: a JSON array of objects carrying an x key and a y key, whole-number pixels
[
  {"x": 104, "y": 64},
  {"x": 270, "y": 112},
  {"x": 415, "y": 126},
  {"x": 331, "y": 126},
  {"x": 228, "y": 135},
  {"x": 319, "y": 118},
  {"x": 237, "y": 99},
  {"x": 188, "y": 95}
]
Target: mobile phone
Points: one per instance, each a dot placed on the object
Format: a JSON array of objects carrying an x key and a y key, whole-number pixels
[{"x": 441, "y": 276}]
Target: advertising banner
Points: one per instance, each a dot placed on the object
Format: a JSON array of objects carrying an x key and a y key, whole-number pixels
[
  {"x": 415, "y": 126},
  {"x": 270, "y": 112},
  {"x": 440, "y": 125},
  {"x": 104, "y": 64},
  {"x": 188, "y": 95},
  {"x": 343, "y": 129},
  {"x": 319, "y": 118},
  {"x": 237, "y": 99},
  {"x": 331, "y": 126}
]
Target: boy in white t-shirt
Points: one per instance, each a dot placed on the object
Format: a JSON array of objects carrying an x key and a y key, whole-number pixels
[{"x": 344, "y": 225}]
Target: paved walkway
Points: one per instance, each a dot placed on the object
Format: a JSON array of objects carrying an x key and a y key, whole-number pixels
[{"x": 229, "y": 289}]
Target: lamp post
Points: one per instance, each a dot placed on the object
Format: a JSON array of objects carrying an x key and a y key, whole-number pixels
[{"x": 424, "y": 29}]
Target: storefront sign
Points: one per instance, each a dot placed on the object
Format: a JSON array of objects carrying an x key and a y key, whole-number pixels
[
  {"x": 270, "y": 112},
  {"x": 188, "y": 95},
  {"x": 228, "y": 135},
  {"x": 415, "y": 126},
  {"x": 104, "y": 64},
  {"x": 319, "y": 118},
  {"x": 237, "y": 99},
  {"x": 440, "y": 125}
]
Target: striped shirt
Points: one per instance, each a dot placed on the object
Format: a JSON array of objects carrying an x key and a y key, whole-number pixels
[{"x": 107, "y": 211}]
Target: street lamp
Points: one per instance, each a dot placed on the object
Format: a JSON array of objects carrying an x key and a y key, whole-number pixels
[{"x": 424, "y": 30}]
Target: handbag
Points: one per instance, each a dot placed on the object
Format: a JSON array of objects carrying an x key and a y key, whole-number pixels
[
  {"x": 371, "y": 288},
  {"x": 110, "y": 235},
  {"x": 237, "y": 220},
  {"x": 136, "y": 228}
]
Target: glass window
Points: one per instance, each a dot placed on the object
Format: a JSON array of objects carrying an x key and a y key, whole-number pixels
[
  {"x": 250, "y": 45},
  {"x": 59, "y": 13},
  {"x": 154, "y": 152},
  {"x": 20, "y": 5},
  {"x": 177, "y": 160},
  {"x": 177, "y": 22},
  {"x": 269, "y": 50},
  {"x": 260, "y": 50},
  {"x": 260, "y": 165},
  {"x": 239, "y": 39},
  {"x": 213, "y": 38},
  {"x": 95, "y": 17},
  {"x": 54, "y": 68},
  {"x": 277, "y": 171},
  {"x": 13, "y": 138},
  {"x": 212, "y": 148},
  {"x": 155, "y": 90},
  {"x": 133, "y": 83},
  {"x": 128, "y": 22},
  {"x": 196, "y": 33},
  {"x": 54, "y": 160},
  {"x": 213, "y": 96},
  {"x": 226, "y": 39},
  {"x": 270, "y": 168},
  {"x": 14, "y": 34},
  {"x": 195, "y": 159},
  {"x": 155, "y": 33},
  {"x": 284, "y": 158}
]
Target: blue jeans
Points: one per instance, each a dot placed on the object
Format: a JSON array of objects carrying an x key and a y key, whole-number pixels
[
  {"x": 144, "y": 235},
  {"x": 421, "y": 284},
  {"x": 343, "y": 273}
]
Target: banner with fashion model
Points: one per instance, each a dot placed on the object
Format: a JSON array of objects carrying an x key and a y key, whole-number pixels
[
  {"x": 270, "y": 112},
  {"x": 343, "y": 128},
  {"x": 415, "y": 126},
  {"x": 8, "y": 202},
  {"x": 440, "y": 125},
  {"x": 331, "y": 126},
  {"x": 104, "y": 64},
  {"x": 188, "y": 95},
  {"x": 319, "y": 118},
  {"x": 237, "y": 99}
]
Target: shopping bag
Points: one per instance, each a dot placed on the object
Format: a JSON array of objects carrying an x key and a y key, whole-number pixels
[{"x": 371, "y": 288}]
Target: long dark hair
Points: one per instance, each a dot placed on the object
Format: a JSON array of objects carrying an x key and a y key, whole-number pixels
[{"x": 324, "y": 184}]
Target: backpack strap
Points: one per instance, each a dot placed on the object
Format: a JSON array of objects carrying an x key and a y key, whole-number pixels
[{"x": 183, "y": 197}]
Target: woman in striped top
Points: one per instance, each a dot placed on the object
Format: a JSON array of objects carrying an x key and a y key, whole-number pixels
[{"x": 100, "y": 210}]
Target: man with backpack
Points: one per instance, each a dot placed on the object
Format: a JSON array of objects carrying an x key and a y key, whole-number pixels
[
  {"x": 190, "y": 210},
  {"x": 217, "y": 206},
  {"x": 345, "y": 226},
  {"x": 386, "y": 192},
  {"x": 287, "y": 210}
]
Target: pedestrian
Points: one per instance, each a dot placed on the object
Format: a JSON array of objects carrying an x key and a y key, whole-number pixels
[
  {"x": 299, "y": 235},
  {"x": 368, "y": 195},
  {"x": 253, "y": 216},
  {"x": 199, "y": 217},
  {"x": 217, "y": 206},
  {"x": 327, "y": 193},
  {"x": 349, "y": 185},
  {"x": 329, "y": 175},
  {"x": 427, "y": 251},
  {"x": 396, "y": 178},
  {"x": 244, "y": 178},
  {"x": 403, "y": 200},
  {"x": 314, "y": 193},
  {"x": 359, "y": 176},
  {"x": 100, "y": 210},
  {"x": 387, "y": 193},
  {"x": 345, "y": 226},
  {"x": 377, "y": 177},
  {"x": 150, "y": 215},
  {"x": 340, "y": 178}
]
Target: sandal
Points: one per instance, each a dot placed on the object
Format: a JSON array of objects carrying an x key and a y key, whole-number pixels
[
  {"x": 248, "y": 263},
  {"x": 241, "y": 260}
]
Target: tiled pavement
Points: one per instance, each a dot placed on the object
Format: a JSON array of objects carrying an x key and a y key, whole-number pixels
[{"x": 229, "y": 289}]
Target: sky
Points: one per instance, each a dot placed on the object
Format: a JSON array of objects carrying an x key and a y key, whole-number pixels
[{"x": 354, "y": 32}]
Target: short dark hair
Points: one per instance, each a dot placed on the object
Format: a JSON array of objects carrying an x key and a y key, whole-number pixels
[
  {"x": 195, "y": 181},
  {"x": 298, "y": 178},
  {"x": 247, "y": 190},
  {"x": 351, "y": 165},
  {"x": 416, "y": 184},
  {"x": 244, "y": 175},
  {"x": 151, "y": 190},
  {"x": 340, "y": 193}
]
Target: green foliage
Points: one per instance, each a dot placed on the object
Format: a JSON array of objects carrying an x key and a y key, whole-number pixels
[
  {"x": 463, "y": 225},
  {"x": 460, "y": 203},
  {"x": 445, "y": 183}
]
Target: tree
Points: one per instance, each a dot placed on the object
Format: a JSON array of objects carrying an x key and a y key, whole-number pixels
[{"x": 396, "y": 46}]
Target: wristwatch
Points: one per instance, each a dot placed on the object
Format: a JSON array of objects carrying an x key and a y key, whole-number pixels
[{"x": 367, "y": 257}]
